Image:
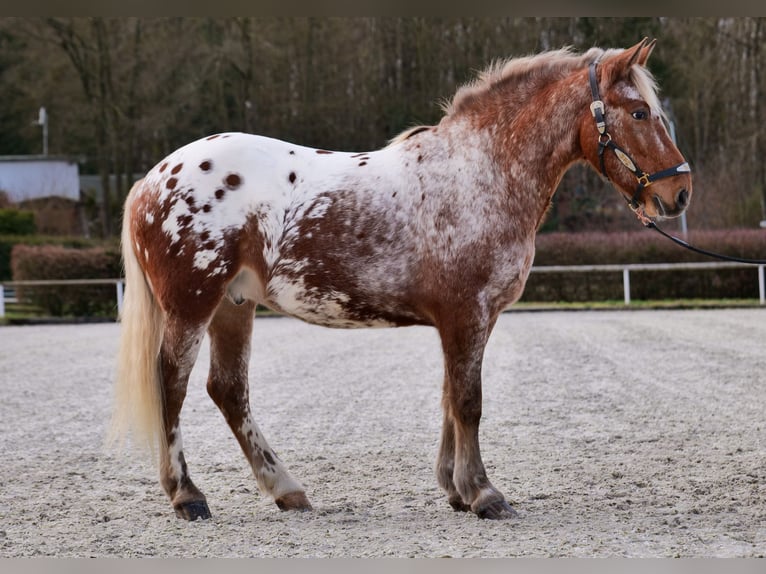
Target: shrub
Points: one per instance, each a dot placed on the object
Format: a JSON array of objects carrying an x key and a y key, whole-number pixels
[
  {"x": 17, "y": 222},
  {"x": 56, "y": 262}
]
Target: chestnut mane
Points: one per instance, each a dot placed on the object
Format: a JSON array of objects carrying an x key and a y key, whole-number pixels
[{"x": 529, "y": 72}]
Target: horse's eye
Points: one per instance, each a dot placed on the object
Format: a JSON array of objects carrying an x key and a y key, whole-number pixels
[{"x": 639, "y": 115}]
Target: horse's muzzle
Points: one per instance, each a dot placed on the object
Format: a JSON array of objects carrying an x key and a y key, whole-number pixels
[{"x": 681, "y": 203}]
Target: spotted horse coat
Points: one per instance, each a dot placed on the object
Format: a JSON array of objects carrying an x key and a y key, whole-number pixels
[{"x": 435, "y": 229}]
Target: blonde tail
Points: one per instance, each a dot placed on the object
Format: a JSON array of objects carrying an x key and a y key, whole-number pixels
[{"x": 138, "y": 396}]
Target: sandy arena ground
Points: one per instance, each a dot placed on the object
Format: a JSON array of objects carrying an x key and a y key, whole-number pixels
[{"x": 613, "y": 433}]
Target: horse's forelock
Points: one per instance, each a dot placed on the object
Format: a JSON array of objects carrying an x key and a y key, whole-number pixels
[{"x": 647, "y": 88}]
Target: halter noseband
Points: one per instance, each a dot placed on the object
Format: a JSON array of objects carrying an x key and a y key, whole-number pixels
[{"x": 605, "y": 141}]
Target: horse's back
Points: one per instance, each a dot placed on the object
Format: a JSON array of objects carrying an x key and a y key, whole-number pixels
[{"x": 256, "y": 218}]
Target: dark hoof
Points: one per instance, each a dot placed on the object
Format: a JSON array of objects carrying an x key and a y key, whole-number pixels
[
  {"x": 294, "y": 501},
  {"x": 193, "y": 510},
  {"x": 458, "y": 505},
  {"x": 498, "y": 510}
]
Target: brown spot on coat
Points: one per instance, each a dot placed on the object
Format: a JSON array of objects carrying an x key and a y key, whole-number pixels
[
  {"x": 292, "y": 177},
  {"x": 212, "y": 137},
  {"x": 323, "y": 151},
  {"x": 171, "y": 183},
  {"x": 206, "y": 165},
  {"x": 163, "y": 167},
  {"x": 361, "y": 163},
  {"x": 219, "y": 193},
  {"x": 233, "y": 181},
  {"x": 177, "y": 168}
]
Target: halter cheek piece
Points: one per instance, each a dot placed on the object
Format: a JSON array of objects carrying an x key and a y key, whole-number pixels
[{"x": 605, "y": 141}]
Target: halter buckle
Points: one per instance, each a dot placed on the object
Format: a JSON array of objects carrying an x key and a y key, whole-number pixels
[
  {"x": 643, "y": 180},
  {"x": 597, "y": 110},
  {"x": 597, "y": 105}
]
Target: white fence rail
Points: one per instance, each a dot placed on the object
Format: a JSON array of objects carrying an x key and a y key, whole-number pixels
[
  {"x": 118, "y": 283},
  {"x": 624, "y": 269}
]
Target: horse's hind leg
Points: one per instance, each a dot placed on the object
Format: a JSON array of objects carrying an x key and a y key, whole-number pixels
[
  {"x": 230, "y": 334},
  {"x": 180, "y": 346},
  {"x": 460, "y": 470}
]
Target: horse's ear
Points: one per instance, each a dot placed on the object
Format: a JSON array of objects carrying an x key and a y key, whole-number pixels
[
  {"x": 635, "y": 53},
  {"x": 645, "y": 52},
  {"x": 617, "y": 67}
]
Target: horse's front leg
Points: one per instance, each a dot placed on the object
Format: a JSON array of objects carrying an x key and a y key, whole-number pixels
[
  {"x": 460, "y": 470},
  {"x": 445, "y": 461}
]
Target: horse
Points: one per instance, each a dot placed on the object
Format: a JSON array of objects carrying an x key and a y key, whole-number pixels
[{"x": 436, "y": 228}]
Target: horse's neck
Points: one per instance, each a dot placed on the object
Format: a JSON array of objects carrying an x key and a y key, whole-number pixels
[
  {"x": 536, "y": 140},
  {"x": 543, "y": 134}
]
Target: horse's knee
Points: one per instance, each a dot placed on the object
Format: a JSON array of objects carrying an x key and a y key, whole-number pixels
[{"x": 466, "y": 409}]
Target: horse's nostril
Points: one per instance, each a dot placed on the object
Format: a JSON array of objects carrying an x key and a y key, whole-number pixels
[{"x": 683, "y": 198}]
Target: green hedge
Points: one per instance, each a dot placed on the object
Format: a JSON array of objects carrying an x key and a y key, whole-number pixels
[
  {"x": 17, "y": 222},
  {"x": 56, "y": 262},
  {"x": 643, "y": 247}
]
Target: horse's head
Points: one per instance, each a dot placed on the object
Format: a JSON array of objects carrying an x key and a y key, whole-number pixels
[{"x": 624, "y": 135}]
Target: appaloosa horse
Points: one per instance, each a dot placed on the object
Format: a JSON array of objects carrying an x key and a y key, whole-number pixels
[{"x": 438, "y": 228}]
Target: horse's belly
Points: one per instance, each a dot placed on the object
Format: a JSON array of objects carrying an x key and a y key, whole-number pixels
[{"x": 327, "y": 307}]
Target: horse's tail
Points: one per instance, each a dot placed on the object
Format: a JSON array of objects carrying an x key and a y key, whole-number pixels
[{"x": 138, "y": 395}]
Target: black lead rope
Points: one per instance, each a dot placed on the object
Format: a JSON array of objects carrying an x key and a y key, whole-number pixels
[{"x": 682, "y": 243}]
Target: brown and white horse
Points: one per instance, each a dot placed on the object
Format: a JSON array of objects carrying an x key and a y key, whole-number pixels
[{"x": 438, "y": 228}]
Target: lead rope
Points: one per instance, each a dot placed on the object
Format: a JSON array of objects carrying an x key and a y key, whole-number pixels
[{"x": 652, "y": 225}]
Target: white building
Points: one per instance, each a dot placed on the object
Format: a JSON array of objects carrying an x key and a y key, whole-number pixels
[{"x": 25, "y": 177}]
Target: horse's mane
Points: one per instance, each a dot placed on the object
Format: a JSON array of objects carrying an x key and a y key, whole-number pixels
[
  {"x": 520, "y": 71},
  {"x": 544, "y": 66}
]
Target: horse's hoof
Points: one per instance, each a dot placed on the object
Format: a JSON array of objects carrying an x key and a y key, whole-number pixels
[
  {"x": 294, "y": 501},
  {"x": 498, "y": 510},
  {"x": 191, "y": 511},
  {"x": 458, "y": 505}
]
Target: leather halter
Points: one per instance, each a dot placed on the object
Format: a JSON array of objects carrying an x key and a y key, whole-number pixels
[{"x": 605, "y": 141}]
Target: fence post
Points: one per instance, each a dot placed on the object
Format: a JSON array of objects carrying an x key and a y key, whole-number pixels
[
  {"x": 119, "y": 298},
  {"x": 626, "y": 284},
  {"x": 761, "y": 285},
  {"x": 2, "y": 300}
]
